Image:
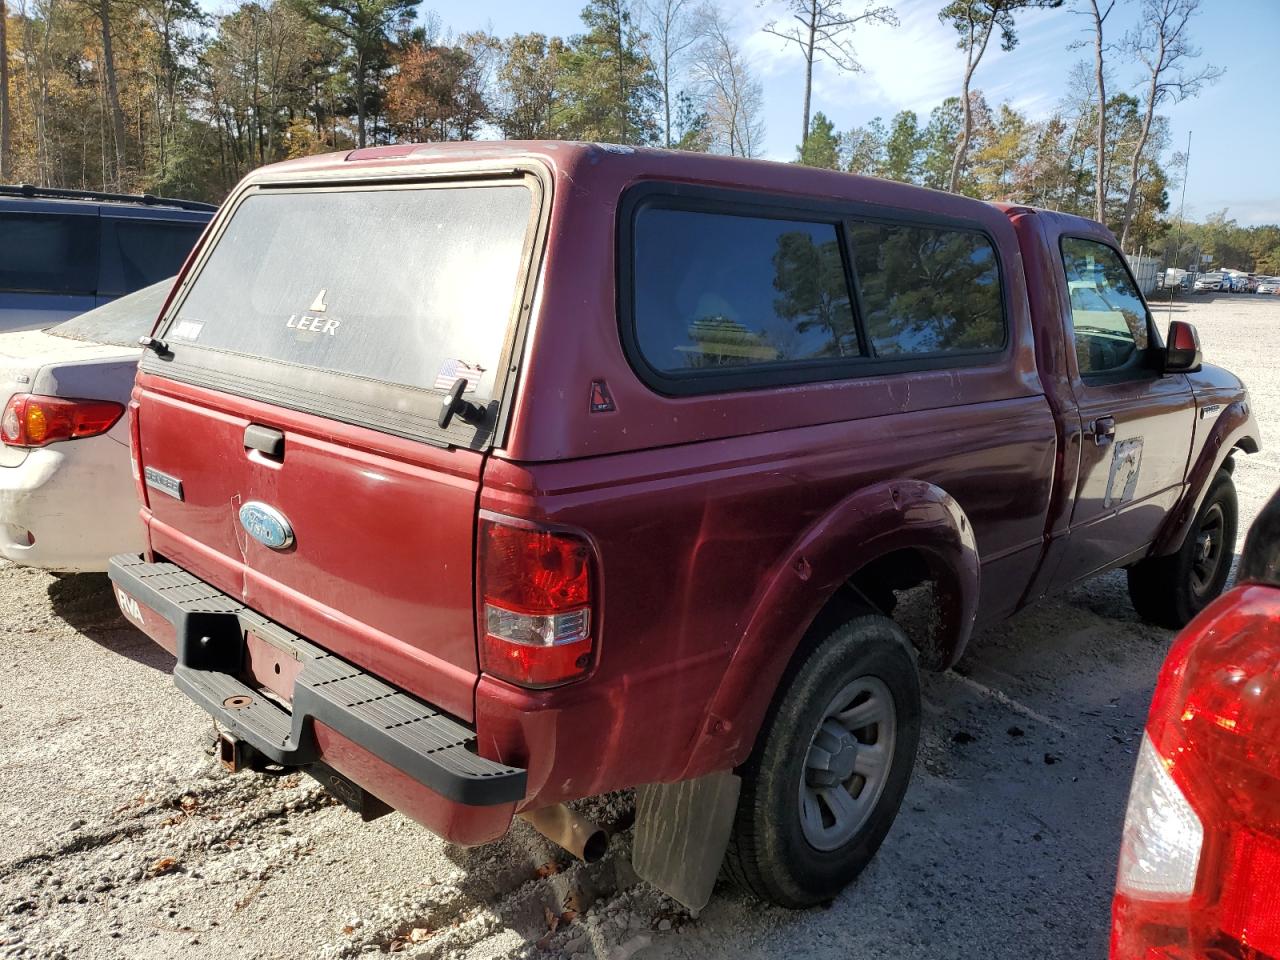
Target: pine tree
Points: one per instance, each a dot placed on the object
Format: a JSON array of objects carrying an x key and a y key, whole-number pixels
[
  {"x": 611, "y": 90},
  {"x": 822, "y": 147},
  {"x": 365, "y": 26}
]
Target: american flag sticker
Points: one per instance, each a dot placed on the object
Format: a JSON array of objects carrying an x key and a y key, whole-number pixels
[{"x": 452, "y": 370}]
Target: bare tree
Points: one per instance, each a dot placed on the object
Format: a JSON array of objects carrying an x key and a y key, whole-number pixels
[
  {"x": 101, "y": 10},
  {"x": 734, "y": 98},
  {"x": 6, "y": 161},
  {"x": 821, "y": 29},
  {"x": 673, "y": 29},
  {"x": 976, "y": 21},
  {"x": 1098, "y": 13},
  {"x": 1161, "y": 43}
]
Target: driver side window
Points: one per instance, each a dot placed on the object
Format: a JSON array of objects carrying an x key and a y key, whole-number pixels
[{"x": 1108, "y": 314}]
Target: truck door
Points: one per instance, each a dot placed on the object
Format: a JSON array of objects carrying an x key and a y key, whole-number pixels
[{"x": 1137, "y": 424}]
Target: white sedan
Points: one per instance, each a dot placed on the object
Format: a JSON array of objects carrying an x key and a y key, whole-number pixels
[{"x": 68, "y": 500}]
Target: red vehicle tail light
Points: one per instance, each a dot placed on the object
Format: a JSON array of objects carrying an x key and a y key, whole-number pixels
[
  {"x": 1199, "y": 874},
  {"x": 535, "y": 590},
  {"x": 32, "y": 421},
  {"x": 135, "y": 453}
]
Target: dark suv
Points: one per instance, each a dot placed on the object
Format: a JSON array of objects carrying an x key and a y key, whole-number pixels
[{"x": 63, "y": 252}]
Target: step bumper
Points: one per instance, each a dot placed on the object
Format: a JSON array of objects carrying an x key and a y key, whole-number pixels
[{"x": 208, "y": 632}]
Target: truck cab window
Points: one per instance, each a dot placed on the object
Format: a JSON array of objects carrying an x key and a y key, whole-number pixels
[
  {"x": 928, "y": 290},
  {"x": 1108, "y": 314},
  {"x": 720, "y": 290}
]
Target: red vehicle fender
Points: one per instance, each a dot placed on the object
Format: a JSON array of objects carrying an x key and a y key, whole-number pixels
[
  {"x": 1235, "y": 427},
  {"x": 869, "y": 524}
]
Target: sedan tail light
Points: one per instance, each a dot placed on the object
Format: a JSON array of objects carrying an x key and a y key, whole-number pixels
[
  {"x": 34, "y": 421},
  {"x": 1199, "y": 873},
  {"x": 536, "y": 588}
]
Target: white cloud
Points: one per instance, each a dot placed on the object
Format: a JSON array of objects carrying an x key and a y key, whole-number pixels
[
  {"x": 767, "y": 54},
  {"x": 913, "y": 66}
]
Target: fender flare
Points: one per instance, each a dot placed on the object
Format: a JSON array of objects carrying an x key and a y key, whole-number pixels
[
  {"x": 869, "y": 524},
  {"x": 1235, "y": 427}
]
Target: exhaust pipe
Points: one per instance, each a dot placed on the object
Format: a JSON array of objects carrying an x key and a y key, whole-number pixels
[{"x": 567, "y": 829}]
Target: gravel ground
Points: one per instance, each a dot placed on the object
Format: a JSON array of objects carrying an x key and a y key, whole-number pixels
[{"x": 120, "y": 837}]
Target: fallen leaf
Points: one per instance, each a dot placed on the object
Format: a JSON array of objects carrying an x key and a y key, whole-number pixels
[
  {"x": 188, "y": 803},
  {"x": 397, "y": 945},
  {"x": 348, "y": 929},
  {"x": 163, "y": 865},
  {"x": 419, "y": 935},
  {"x": 549, "y": 869},
  {"x": 137, "y": 801},
  {"x": 568, "y": 917},
  {"x": 553, "y": 919}
]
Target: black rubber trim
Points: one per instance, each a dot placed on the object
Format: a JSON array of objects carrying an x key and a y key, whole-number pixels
[{"x": 429, "y": 746}]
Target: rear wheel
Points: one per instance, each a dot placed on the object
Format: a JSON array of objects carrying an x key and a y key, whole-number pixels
[
  {"x": 830, "y": 767},
  {"x": 1170, "y": 590}
]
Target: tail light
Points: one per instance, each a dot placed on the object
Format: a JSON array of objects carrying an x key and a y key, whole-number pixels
[
  {"x": 32, "y": 421},
  {"x": 536, "y": 589},
  {"x": 135, "y": 453},
  {"x": 1199, "y": 875}
]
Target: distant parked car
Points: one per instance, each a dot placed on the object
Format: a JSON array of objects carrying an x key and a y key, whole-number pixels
[
  {"x": 1200, "y": 859},
  {"x": 1270, "y": 286},
  {"x": 63, "y": 252},
  {"x": 1210, "y": 282},
  {"x": 67, "y": 496}
]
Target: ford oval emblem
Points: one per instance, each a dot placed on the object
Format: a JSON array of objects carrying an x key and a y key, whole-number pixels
[{"x": 267, "y": 525}]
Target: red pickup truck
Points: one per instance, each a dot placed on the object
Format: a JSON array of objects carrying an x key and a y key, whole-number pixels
[{"x": 479, "y": 478}]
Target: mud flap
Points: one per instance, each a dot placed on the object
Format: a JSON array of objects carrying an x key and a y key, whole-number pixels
[{"x": 682, "y": 830}]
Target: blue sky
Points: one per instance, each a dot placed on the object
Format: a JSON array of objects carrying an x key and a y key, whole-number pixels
[{"x": 1235, "y": 123}]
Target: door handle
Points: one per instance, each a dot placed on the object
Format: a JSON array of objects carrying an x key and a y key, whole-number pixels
[
  {"x": 268, "y": 441},
  {"x": 1104, "y": 430}
]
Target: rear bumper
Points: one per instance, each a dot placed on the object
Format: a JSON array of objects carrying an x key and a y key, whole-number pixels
[{"x": 396, "y": 747}]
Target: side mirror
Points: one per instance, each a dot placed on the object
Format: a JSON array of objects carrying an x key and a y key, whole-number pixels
[{"x": 1182, "y": 352}]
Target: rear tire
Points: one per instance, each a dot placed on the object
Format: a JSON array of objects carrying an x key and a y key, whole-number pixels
[
  {"x": 830, "y": 766},
  {"x": 1169, "y": 591}
]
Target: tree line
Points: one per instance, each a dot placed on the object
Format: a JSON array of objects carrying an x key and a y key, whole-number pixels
[{"x": 162, "y": 97}]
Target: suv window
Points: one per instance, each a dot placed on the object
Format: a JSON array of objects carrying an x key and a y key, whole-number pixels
[
  {"x": 927, "y": 290},
  {"x": 717, "y": 290},
  {"x": 49, "y": 253},
  {"x": 408, "y": 286},
  {"x": 1108, "y": 315},
  {"x": 138, "y": 252}
]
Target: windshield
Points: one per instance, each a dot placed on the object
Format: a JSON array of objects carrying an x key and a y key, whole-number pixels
[
  {"x": 407, "y": 286},
  {"x": 120, "y": 322}
]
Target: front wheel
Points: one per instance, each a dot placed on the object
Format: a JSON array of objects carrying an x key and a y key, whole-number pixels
[
  {"x": 830, "y": 766},
  {"x": 1169, "y": 591}
]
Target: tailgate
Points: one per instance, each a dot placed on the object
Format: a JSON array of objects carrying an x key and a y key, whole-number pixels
[{"x": 288, "y": 435}]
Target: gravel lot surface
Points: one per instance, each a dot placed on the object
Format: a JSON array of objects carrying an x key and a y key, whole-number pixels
[{"x": 120, "y": 837}]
